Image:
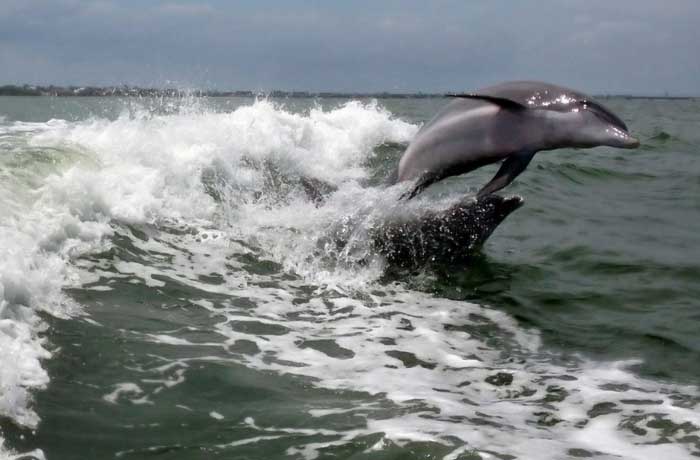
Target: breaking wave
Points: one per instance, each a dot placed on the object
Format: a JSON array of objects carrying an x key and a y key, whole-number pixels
[{"x": 219, "y": 202}]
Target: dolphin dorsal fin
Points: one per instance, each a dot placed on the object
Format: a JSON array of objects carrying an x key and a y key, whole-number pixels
[{"x": 499, "y": 101}]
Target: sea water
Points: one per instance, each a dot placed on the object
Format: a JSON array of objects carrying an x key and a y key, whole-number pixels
[{"x": 169, "y": 290}]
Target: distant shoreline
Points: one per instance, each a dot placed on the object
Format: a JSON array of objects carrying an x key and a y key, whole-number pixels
[{"x": 135, "y": 91}]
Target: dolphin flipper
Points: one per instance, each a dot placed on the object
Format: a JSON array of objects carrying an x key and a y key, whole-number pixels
[{"x": 509, "y": 170}]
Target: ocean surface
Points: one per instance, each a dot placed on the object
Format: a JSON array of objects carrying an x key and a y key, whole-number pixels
[{"x": 168, "y": 290}]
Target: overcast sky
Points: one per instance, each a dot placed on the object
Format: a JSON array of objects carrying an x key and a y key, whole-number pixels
[{"x": 599, "y": 46}]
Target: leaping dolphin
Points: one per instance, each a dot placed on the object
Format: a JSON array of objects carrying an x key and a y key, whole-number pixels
[{"x": 509, "y": 122}]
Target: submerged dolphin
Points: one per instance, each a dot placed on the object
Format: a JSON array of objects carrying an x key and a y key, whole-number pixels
[
  {"x": 446, "y": 237},
  {"x": 511, "y": 122},
  {"x": 410, "y": 238}
]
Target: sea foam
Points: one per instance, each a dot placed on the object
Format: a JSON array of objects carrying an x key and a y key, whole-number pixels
[{"x": 64, "y": 185}]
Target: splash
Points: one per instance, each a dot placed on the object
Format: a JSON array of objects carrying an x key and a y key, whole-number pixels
[{"x": 66, "y": 184}]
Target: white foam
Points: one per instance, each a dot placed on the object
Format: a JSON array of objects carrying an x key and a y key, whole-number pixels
[
  {"x": 440, "y": 376},
  {"x": 395, "y": 344},
  {"x": 20, "y": 368},
  {"x": 120, "y": 389},
  {"x": 445, "y": 409},
  {"x": 8, "y": 454},
  {"x": 141, "y": 168},
  {"x": 36, "y": 240}
]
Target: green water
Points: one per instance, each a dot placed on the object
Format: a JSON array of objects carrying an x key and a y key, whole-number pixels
[{"x": 222, "y": 328}]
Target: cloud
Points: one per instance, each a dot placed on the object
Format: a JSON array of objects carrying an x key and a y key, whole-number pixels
[{"x": 639, "y": 46}]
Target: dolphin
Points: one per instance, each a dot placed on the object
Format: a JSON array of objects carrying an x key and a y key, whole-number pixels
[
  {"x": 508, "y": 122},
  {"x": 411, "y": 238},
  {"x": 446, "y": 237}
]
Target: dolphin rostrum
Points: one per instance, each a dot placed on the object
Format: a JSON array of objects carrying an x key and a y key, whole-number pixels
[{"x": 509, "y": 122}]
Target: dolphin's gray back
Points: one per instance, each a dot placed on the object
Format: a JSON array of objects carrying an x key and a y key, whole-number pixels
[
  {"x": 534, "y": 94},
  {"x": 531, "y": 94},
  {"x": 457, "y": 105},
  {"x": 463, "y": 135},
  {"x": 541, "y": 95}
]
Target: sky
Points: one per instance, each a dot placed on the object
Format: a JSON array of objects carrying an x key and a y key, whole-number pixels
[{"x": 645, "y": 47}]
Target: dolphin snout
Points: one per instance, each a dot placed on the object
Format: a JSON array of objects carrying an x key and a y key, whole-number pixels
[
  {"x": 630, "y": 142},
  {"x": 620, "y": 138}
]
